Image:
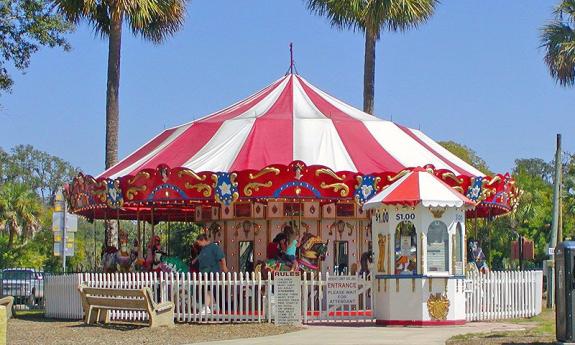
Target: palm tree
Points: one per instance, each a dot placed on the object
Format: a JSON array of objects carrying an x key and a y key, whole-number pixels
[
  {"x": 371, "y": 17},
  {"x": 558, "y": 39},
  {"x": 20, "y": 210},
  {"x": 153, "y": 20}
]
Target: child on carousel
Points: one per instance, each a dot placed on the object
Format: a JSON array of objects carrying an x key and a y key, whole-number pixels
[{"x": 290, "y": 252}]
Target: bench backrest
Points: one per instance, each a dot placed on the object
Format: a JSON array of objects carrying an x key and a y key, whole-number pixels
[{"x": 134, "y": 299}]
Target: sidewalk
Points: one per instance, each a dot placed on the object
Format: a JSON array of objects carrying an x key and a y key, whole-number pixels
[{"x": 339, "y": 335}]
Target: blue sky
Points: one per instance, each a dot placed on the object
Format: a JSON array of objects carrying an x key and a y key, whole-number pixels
[{"x": 473, "y": 74}]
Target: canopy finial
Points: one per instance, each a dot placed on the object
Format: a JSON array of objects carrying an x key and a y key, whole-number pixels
[{"x": 291, "y": 58}]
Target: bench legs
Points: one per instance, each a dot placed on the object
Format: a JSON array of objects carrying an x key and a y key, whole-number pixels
[
  {"x": 97, "y": 315},
  {"x": 164, "y": 318}
]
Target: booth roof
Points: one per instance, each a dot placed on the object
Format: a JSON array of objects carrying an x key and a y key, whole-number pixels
[
  {"x": 419, "y": 187},
  {"x": 287, "y": 121}
]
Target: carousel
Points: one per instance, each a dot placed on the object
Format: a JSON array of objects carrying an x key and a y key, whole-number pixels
[{"x": 290, "y": 155}]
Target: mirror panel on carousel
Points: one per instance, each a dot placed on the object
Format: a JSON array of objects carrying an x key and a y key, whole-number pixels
[
  {"x": 240, "y": 233},
  {"x": 246, "y": 256},
  {"x": 349, "y": 234}
]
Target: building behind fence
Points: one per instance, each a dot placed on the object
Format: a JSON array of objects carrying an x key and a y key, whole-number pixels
[{"x": 243, "y": 297}]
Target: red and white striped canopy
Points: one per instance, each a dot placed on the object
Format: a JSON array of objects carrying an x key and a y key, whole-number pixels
[
  {"x": 291, "y": 120},
  {"x": 419, "y": 187}
]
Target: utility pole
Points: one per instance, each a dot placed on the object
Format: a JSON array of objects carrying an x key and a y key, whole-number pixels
[
  {"x": 64, "y": 238},
  {"x": 556, "y": 232}
]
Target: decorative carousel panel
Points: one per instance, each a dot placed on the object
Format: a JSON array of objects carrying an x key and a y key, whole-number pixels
[
  {"x": 328, "y": 211},
  {"x": 275, "y": 209},
  {"x": 215, "y": 212},
  {"x": 311, "y": 210},
  {"x": 243, "y": 210},
  {"x": 227, "y": 212},
  {"x": 259, "y": 210}
]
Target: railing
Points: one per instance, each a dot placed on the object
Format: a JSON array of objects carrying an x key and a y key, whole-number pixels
[
  {"x": 503, "y": 295},
  {"x": 243, "y": 297},
  {"x": 235, "y": 297}
]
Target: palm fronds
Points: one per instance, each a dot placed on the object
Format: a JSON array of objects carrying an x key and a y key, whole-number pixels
[{"x": 558, "y": 40}]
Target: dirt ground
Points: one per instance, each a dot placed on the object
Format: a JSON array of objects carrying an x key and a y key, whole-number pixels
[{"x": 38, "y": 330}]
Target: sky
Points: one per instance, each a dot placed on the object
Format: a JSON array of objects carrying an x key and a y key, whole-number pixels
[{"x": 473, "y": 74}]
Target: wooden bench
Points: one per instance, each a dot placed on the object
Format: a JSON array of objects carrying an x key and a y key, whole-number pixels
[
  {"x": 8, "y": 302},
  {"x": 98, "y": 302}
]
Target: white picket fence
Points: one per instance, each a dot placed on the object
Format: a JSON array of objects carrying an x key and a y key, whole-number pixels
[
  {"x": 236, "y": 297},
  {"x": 62, "y": 296},
  {"x": 503, "y": 295},
  {"x": 243, "y": 297}
]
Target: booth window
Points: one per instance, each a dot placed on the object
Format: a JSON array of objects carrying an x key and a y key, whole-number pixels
[
  {"x": 341, "y": 257},
  {"x": 405, "y": 248},
  {"x": 246, "y": 256},
  {"x": 458, "y": 249},
  {"x": 437, "y": 247}
]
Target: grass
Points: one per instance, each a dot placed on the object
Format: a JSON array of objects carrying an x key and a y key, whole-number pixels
[{"x": 540, "y": 329}]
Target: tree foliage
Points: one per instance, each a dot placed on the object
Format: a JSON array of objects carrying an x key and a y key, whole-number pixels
[
  {"x": 38, "y": 170},
  {"x": 467, "y": 155},
  {"x": 25, "y": 26},
  {"x": 20, "y": 210},
  {"x": 558, "y": 40},
  {"x": 372, "y": 17}
]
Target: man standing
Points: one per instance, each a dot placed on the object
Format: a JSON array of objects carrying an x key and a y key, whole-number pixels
[{"x": 210, "y": 260}]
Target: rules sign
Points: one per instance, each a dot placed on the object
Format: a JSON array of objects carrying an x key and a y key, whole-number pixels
[
  {"x": 341, "y": 290},
  {"x": 287, "y": 286}
]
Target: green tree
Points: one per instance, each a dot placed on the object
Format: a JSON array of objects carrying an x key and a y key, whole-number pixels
[
  {"x": 152, "y": 20},
  {"x": 372, "y": 17},
  {"x": 467, "y": 154},
  {"x": 25, "y": 26},
  {"x": 20, "y": 211},
  {"x": 558, "y": 40},
  {"x": 40, "y": 171}
]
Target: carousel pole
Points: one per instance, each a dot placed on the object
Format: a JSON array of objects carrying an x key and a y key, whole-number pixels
[
  {"x": 118, "y": 225},
  {"x": 144, "y": 243},
  {"x": 94, "y": 258},
  {"x": 106, "y": 226},
  {"x": 169, "y": 230},
  {"x": 139, "y": 232},
  {"x": 152, "y": 219}
]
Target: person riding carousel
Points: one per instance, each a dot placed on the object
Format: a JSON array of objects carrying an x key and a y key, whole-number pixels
[{"x": 275, "y": 247}]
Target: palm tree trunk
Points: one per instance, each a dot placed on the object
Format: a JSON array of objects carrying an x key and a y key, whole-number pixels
[
  {"x": 113, "y": 108},
  {"x": 369, "y": 71},
  {"x": 113, "y": 90},
  {"x": 11, "y": 232}
]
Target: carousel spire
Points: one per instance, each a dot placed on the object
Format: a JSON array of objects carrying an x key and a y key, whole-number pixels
[{"x": 291, "y": 60}]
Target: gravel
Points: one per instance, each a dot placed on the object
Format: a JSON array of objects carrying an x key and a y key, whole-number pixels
[{"x": 38, "y": 330}]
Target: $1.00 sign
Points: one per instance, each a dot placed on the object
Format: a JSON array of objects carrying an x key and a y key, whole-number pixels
[{"x": 341, "y": 290}]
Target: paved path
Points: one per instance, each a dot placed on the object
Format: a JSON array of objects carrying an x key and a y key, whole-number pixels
[{"x": 339, "y": 335}]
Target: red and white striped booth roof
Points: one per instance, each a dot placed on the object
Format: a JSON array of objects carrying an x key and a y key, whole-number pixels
[
  {"x": 291, "y": 120},
  {"x": 419, "y": 187}
]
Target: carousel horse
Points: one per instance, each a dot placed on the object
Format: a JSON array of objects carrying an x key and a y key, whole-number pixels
[
  {"x": 477, "y": 262},
  {"x": 124, "y": 256},
  {"x": 109, "y": 260},
  {"x": 311, "y": 251}
]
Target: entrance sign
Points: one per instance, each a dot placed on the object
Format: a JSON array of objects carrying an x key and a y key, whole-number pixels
[
  {"x": 341, "y": 291},
  {"x": 287, "y": 287}
]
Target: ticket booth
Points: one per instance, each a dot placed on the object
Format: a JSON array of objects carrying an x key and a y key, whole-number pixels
[{"x": 418, "y": 234}]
